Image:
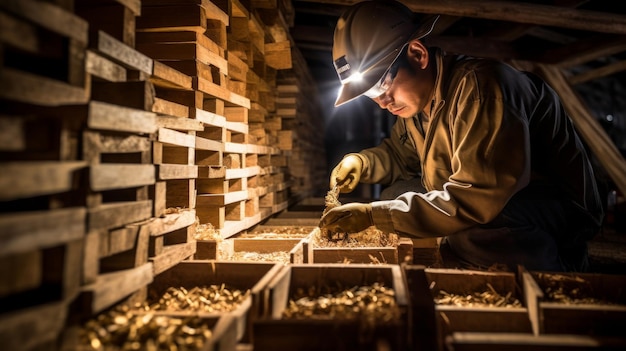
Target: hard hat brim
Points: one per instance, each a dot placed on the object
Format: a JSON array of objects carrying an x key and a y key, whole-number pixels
[{"x": 353, "y": 89}]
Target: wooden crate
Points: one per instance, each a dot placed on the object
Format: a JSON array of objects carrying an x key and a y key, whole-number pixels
[
  {"x": 403, "y": 252},
  {"x": 586, "y": 304},
  {"x": 275, "y": 333},
  {"x": 153, "y": 325},
  {"x": 235, "y": 275},
  {"x": 283, "y": 250},
  {"x": 463, "y": 318}
]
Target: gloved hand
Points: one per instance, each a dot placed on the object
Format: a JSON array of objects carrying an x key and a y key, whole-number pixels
[
  {"x": 347, "y": 173},
  {"x": 349, "y": 218}
]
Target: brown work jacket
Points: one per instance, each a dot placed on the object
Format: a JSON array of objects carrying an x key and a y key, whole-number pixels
[{"x": 492, "y": 130}]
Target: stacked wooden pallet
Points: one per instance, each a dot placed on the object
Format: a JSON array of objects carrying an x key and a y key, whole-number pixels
[{"x": 125, "y": 125}]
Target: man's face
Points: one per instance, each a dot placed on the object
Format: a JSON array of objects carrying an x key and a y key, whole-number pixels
[
  {"x": 406, "y": 96},
  {"x": 409, "y": 92}
]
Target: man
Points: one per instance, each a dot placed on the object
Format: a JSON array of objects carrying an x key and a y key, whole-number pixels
[{"x": 481, "y": 154}]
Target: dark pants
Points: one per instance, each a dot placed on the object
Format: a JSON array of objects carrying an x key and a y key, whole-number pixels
[{"x": 537, "y": 229}]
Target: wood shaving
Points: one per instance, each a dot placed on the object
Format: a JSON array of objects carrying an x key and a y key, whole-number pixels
[
  {"x": 276, "y": 256},
  {"x": 487, "y": 298},
  {"x": 371, "y": 305},
  {"x": 206, "y": 231},
  {"x": 370, "y": 237},
  {"x": 568, "y": 289}
]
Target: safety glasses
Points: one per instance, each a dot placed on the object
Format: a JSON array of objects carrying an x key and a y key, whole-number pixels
[{"x": 385, "y": 82}]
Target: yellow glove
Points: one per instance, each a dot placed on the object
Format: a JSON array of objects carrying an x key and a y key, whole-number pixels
[
  {"x": 347, "y": 173},
  {"x": 348, "y": 218}
]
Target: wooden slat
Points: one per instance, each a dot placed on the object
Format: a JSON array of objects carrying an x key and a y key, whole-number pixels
[
  {"x": 107, "y": 116},
  {"x": 25, "y": 231},
  {"x": 30, "y": 88},
  {"x": 116, "y": 50},
  {"x": 113, "y": 287},
  {"x": 20, "y": 180},
  {"x": 120, "y": 176},
  {"x": 49, "y": 16}
]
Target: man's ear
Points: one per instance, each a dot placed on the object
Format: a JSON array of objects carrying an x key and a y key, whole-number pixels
[{"x": 418, "y": 53}]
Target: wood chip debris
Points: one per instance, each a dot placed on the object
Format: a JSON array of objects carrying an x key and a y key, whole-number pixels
[
  {"x": 276, "y": 256},
  {"x": 487, "y": 298},
  {"x": 122, "y": 329},
  {"x": 370, "y": 237},
  {"x": 370, "y": 304},
  {"x": 569, "y": 290},
  {"x": 211, "y": 298},
  {"x": 279, "y": 232},
  {"x": 206, "y": 231}
]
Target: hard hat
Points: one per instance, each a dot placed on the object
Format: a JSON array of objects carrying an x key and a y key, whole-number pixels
[{"x": 368, "y": 38}]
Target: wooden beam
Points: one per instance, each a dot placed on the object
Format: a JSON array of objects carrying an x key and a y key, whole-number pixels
[
  {"x": 518, "y": 12},
  {"x": 588, "y": 127},
  {"x": 600, "y": 72}
]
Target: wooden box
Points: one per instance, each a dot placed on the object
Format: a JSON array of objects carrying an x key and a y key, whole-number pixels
[
  {"x": 580, "y": 303},
  {"x": 117, "y": 328},
  {"x": 264, "y": 250},
  {"x": 403, "y": 252},
  {"x": 234, "y": 275},
  {"x": 500, "y": 317},
  {"x": 325, "y": 332}
]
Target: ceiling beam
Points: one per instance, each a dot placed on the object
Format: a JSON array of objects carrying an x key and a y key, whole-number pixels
[{"x": 518, "y": 12}]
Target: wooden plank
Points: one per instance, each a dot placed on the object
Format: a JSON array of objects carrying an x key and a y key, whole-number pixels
[
  {"x": 26, "y": 231},
  {"x": 186, "y": 52},
  {"x": 102, "y": 115},
  {"x": 113, "y": 18},
  {"x": 133, "y": 5},
  {"x": 171, "y": 256},
  {"x": 527, "y": 13},
  {"x": 210, "y": 118},
  {"x": 120, "y": 176},
  {"x": 28, "y": 179},
  {"x": 44, "y": 324},
  {"x": 219, "y": 92},
  {"x": 165, "y": 107},
  {"x": 170, "y": 171},
  {"x": 172, "y": 137},
  {"x": 177, "y": 123},
  {"x": 30, "y": 88},
  {"x": 211, "y": 171},
  {"x": 95, "y": 144},
  {"x": 221, "y": 199},
  {"x": 49, "y": 16},
  {"x": 112, "y": 215},
  {"x": 174, "y": 17},
  {"x": 123, "y": 54},
  {"x": 169, "y": 77},
  {"x": 180, "y": 37},
  {"x": 211, "y": 145},
  {"x": 112, "y": 287},
  {"x": 103, "y": 68},
  {"x": 18, "y": 33},
  {"x": 278, "y": 55}
]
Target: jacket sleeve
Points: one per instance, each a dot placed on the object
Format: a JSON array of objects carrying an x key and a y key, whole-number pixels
[
  {"x": 393, "y": 159},
  {"x": 488, "y": 146}
]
